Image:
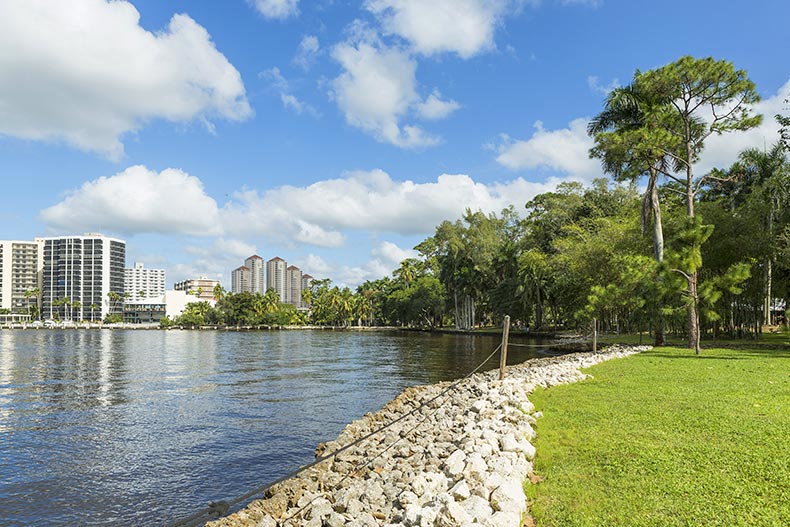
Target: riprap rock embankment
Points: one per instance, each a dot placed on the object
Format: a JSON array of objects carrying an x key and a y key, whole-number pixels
[{"x": 456, "y": 460}]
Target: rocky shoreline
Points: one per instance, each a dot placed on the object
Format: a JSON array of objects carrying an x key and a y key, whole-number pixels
[{"x": 461, "y": 459}]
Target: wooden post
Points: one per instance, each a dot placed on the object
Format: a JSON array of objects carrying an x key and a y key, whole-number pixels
[
  {"x": 595, "y": 335},
  {"x": 503, "y": 354}
]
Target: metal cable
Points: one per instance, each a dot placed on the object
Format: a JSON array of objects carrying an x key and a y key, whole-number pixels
[{"x": 220, "y": 508}]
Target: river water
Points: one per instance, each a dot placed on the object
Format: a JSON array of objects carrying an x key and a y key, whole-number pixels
[{"x": 114, "y": 427}]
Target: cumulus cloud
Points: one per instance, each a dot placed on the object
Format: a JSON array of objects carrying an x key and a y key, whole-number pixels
[
  {"x": 467, "y": 27},
  {"x": 307, "y": 52},
  {"x": 384, "y": 258},
  {"x": 320, "y": 212},
  {"x": 227, "y": 248},
  {"x": 85, "y": 72},
  {"x": 435, "y": 108},
  {"x": 138, "y": 200},
  {"x": 565, "y": 150},
  {"x": 276, "y": 9},
  {"x": 376, "y": 89},
  {"x": 722, "y": 150},
  {"x": 391, "y": 254}
]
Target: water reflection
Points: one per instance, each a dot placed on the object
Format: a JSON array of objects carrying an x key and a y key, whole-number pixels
[{"x": 136, "y": 427}]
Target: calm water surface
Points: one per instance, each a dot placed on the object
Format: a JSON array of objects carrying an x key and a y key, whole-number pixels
[{"x": 112, "y": 427}]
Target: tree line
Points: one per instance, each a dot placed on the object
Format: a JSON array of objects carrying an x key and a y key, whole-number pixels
[{"x": 657, "y": 246}]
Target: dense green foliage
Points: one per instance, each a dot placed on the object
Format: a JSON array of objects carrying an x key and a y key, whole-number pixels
[
  {"x": 664, "y": 438},
  {"x": 629, "y": 258}
]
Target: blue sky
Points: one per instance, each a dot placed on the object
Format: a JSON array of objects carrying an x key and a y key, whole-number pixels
[{"x": 334, "y": 134}]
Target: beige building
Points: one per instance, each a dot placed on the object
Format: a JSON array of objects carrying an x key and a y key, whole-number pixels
[
  {"x": 275, "y": 276},
  {"x": 256, "y": 266},
  {"x": 202, "y": 288},
  {"x": 20, "y": 266},
  {"x": 293, "y": 280},
  {"x": 240, "y": 280}
]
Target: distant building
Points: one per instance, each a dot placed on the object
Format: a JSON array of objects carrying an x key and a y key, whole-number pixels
[
  {"x": 201, "y": 288},
  {"x": 82, "y": 277},
  {"x": 256, "y": 266},
  {"x": 138, "y": 279},
  {"x": 20, "y": 264},
  {"x": 240, "y": 280},
  {"x": 293, "y": 280},
  {"x": 275, "y": 276},
  {"x": 152, "y": 310}
]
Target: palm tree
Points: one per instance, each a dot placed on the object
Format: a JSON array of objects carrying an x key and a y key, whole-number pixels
[
  {"x": 113, "y": 298},
  {"x": 765, "y": 174},
  {"x": 219, "y": 292},
  {"x": 32, "y": 308},
  {"x": 65, "y": 301},
  {"x": 76, "y": 305},
  {"x": 93, "y": 307},
  {"x": 624, "y": 154}
]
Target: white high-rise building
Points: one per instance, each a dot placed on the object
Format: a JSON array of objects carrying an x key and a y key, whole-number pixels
[
  {"x": 138, "y": 279},
  {"x": 293, "y": 280},
  {"x": 82, "y": 277},
  {"x": 240, "y": 280},
  {"x": 275, "y": 276},
  {"x": 256, "y": 266},
  {"x": 20, "y": 266}
]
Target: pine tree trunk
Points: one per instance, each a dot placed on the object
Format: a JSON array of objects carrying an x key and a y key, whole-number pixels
[{"x": 658, "y": 251}]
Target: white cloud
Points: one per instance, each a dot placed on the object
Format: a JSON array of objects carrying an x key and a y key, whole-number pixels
[
  {"x": 138, "y": 200},
  {"x": 224, "y": 248},
  {"x": 465, "y": 27},
  {"x": 298, "y": 106},
  {"x": 392, "y": 255},
  {"x": 565, "y": 150},
  {"x": 435, "y": 108},
  {"x": 85, "y": 72},
  {"x": 276, "y": 9},
  {"x": 594, "y": 83},
  {"x": 307, "y": 52},
  {"x": 344, "y": 275},
  {"x": 371, "y": 201},
  {"x": 376, "y": 89},
  {"x": 289, "y": 100},
  {"x": 721, "y": 151}
]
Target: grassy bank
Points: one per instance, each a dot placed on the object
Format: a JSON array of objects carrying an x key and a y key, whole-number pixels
[{"x": 665, "y": 438}]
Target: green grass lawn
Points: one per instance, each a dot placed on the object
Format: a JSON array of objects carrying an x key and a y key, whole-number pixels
[{"x": 665, "y": 438}]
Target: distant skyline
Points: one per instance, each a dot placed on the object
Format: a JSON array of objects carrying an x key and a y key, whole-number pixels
[{"x": 337, "y": 133}]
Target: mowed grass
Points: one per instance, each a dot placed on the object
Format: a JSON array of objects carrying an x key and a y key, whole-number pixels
[{"x": 666, "y": 438}]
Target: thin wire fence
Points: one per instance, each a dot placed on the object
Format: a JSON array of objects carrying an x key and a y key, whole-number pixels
[{"x": 220, "y": 508}]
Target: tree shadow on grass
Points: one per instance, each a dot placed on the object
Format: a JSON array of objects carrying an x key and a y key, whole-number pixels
[{"x": 739, "y": 354}]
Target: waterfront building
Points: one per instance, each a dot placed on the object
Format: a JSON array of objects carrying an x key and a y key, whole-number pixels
[
  {"x": 256, "y": 266},
  {"x": 275, "y": 276},
  {"x": 82, "y": 277},
  {"x": 20, "y": 266},
  {"x": 202, "y": 288},
  {"x": 293, "y": 280},
  {"x": 240, "y": 280},
  {"x": 138, "y": 279}
]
